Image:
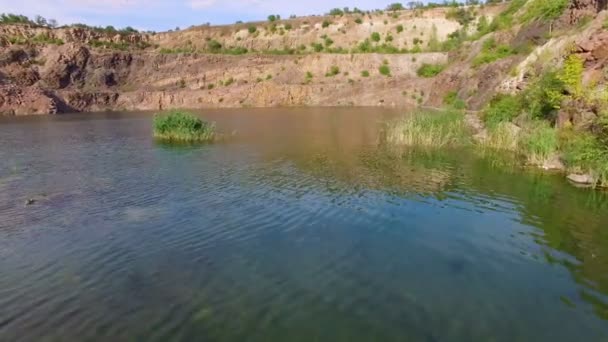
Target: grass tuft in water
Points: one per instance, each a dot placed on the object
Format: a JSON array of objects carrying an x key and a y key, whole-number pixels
[
  {"x": 430, "y": 129},
  {"x": 184, "y": 127}
]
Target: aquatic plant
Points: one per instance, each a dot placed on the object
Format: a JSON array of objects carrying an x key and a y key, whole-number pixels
[
  {"x": 430, "y": 129},
  {"x": 183, "y": 126}
]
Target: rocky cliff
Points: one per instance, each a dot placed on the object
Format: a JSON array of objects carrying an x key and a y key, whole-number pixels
[
  {"x": 362, "y": 59},
  {"x": 296, "y": 62}
]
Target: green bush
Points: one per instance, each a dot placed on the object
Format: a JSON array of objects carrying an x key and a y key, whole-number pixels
[
  {"x": 583, "y": 152},
  {"x": 375, "y": 37},
  {"x": 544, "y": 96},
  {"x": 384, "y": 70},
  {"x": 182, "y": 126},
  {"x": 333, "y": 71},
  {"x": 399, "y": 28},
  {"x": 364, "y": 73},
  {"x": 502, "y": 108},
  {"x": 9, "y": 18},
  {"x": 252, "y": 29},
  {"x": 397, "y": 6},
  {"x": 336, "y": 12},
  {"x": 214, "y": 45},
  {"x": 359, "y": 21},
  {"x": 571, "y": 75},
  {"x": 317, "y": 47},
  {"x": 430, "y": 70},
  {"x": 325, "y": 24}
]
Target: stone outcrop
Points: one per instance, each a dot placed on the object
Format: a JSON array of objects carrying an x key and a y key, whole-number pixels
[
  {"x": 26, "y": 101},
  {"x": 580, "y": 9}
]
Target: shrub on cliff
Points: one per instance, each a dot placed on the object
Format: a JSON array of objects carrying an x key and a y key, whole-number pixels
[
  {"x": 502, "y": 108},
  {"x": 9, "y": 18},
  {"x": 491, "y": 52},
  {"x": 430, "y": 70},
  {"x": 544, "y": 9},
  {"x": 183, "y": 126}
]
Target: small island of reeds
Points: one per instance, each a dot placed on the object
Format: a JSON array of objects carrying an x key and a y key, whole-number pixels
[{"x": 181, "y": 126}]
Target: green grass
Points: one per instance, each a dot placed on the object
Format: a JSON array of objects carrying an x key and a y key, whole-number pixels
[
  {"x": 491, "y": 52},
  {"x": 544, "y": 10},
  {"x": 430, "y": 129},
  {"x": 183, "y": 126},
  {"x": 453, "y": 101},
  {"x": 501, "y": 137},
  {"x": 430, "y": 70},
  {"x": 539, "y": 142}
]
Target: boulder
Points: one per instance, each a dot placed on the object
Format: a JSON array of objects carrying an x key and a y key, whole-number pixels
[
  {"x": 583, "y": 179},
  {"x": 554, "y": 162}
]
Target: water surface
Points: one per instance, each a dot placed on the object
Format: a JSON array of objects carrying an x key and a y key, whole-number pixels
[{"x": 302, "y": 227}]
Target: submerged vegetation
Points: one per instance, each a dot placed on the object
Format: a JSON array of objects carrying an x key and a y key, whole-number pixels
[{"x": 184, "y": 127}]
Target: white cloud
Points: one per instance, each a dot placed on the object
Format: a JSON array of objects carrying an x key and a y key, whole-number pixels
[
  {"x": 163, "y": 14},
  {"x": 201, "y": 4}
]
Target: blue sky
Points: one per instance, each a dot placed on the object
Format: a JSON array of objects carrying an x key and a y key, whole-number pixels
[{"x": 161, "y": 15}]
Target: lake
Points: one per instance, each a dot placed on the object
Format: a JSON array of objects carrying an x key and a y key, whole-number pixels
[{"x": 302, "y": 226}]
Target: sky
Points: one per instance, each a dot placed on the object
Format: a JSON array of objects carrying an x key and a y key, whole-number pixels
[{"x": 162, "y": 15}]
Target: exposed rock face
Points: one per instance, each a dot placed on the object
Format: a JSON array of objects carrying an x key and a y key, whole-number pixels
[
  {"x": 84, "y": 69},
  {"x": 583, "y": 179},
  {"x": 25, "y": 101},
  {"x": 580, "y": 9},
  {"x": 76, "y": 77}
]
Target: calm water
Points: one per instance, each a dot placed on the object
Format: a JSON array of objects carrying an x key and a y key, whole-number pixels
[{"x": 301, "y": 228}]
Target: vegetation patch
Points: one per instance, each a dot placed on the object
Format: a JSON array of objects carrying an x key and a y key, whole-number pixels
[
  {"x": 333, "y": 71},
  {"x": 453, "y": 101},
  {"x": 544, "y": 9},
  {"x": 430, "y": 129},
  {"x": 385, "y": 70},
  {"x": 539, "y": 142},
  {"x": 491, "y": 52},
  {"x": 430, "y": 70},
  {"x": 184, "y": 127},
  {"x": 583, "y": 152},
  {"x": 503, "y": 108}
]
